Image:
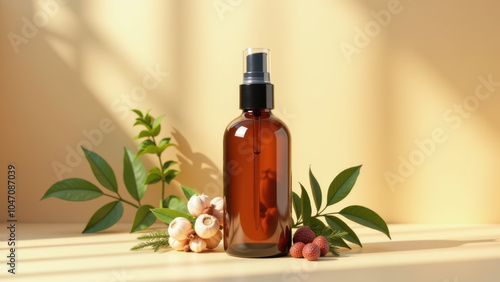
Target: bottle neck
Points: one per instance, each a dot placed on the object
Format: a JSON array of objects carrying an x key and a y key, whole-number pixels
[{"x": 263, "y": 113}]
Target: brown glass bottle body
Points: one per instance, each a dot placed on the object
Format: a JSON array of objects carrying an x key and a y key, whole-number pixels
[{"x": 257, "y": 186}]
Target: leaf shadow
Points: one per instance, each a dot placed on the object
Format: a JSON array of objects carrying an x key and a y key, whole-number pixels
[{"x": 198, "y": 171}]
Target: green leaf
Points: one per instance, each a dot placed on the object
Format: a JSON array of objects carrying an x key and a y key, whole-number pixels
[
  {"x": 342, "y": 185},
  {"x": 150, "y": 149},
  {"x": 317, "y": 226},
  {"x": 366, "y": 217},
  {"x": 155, "y": 131},
  {"x": 154, "y": 176},
  {"x": 167, "y": 164},
  {"x": 340, "y": 243},
  {"x": 316, "y": 190},
  {"x": 154, "y": 235},
  {"x": 155, "y": 239},
  {"x": 157, "y": 121},
  {"x": 146, "y": 143},
  {"x": 320, "y": 228},
  {"x": 297, "y": 205},
  {"x": 142, "y": 134},
  {"x": 101, "y": 169},
  {"x": 188, "y": 192},
  {"x": 147, "y": 117},
  {"x": 139, "y": 113},
  {"x": 337, "y": 224},
  {"x": 167, "y": 215},
  {"x": 164, "y": 143},
  {"x": 306, "y": 206},
  {"x": 152, "y": 179},
  {"x": 170, "y": 175},
  {"x": 140, "y": 121},
  {"x": 144, "y": 218},
  {"x": 334, "y": 239},
  {"x": 155, "y": 245},
  {"x": 134, "y": 175},
  {"x": 156, "y": 127},
  {"x": 329, "y": 233},
  {"x": 105, "y": 217},
  {"x": 73, "y": 189},
  {"x": 175, "y": 203}
]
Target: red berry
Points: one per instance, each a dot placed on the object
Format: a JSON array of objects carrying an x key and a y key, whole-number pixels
[
  {"x": 311, "y": 251},
  {"x": 304, "y": 235},
  {"x": 296, "y": 249},
  {"x": 322, "y": 244}
]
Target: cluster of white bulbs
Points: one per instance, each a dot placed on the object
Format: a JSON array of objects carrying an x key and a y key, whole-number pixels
[{"x": 206, "y": 233}]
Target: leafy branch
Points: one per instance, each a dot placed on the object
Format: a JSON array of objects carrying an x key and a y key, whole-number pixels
[
  {"x": 135, "y": 178},
  {"x": 337, "y": 230},
  {"x": 149, "y": 146}
]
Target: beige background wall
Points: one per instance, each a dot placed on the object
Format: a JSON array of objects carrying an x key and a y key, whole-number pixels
[{"x": 83, "y": 65}]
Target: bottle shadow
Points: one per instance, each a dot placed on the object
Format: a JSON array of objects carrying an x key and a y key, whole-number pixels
[
  {"x": 198, "y": 171},
  {"x": 413, "y": 245}
]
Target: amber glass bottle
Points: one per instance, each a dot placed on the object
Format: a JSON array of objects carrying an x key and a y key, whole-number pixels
[{"x": 257, "y": 188}]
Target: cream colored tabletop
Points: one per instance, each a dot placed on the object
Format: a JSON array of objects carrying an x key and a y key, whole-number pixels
[{"x": 453, "y": 253}]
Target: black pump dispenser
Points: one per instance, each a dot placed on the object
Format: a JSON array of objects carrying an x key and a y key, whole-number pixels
[
  {"x": 256, "y": 69},
  {"x": 256, "y": 91}
]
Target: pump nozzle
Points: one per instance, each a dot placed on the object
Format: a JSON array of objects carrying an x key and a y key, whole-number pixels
[
  {"x": 256, "y": 91},
  {"x": 256, "y": 67}
]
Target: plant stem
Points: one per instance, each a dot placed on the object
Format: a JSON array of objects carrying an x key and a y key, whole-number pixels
[
  {"x": 319, "y": 212},
  {"x": 162, "y": 183},
  {"x": 330, "y": 213},
  {"x": 162, "y": 193},
  {"x": 121, "y": 199},
  {"x": 163, "y": 180},
  {"x": 314, "y": 216},
  {"x": 119, "y": 196}
]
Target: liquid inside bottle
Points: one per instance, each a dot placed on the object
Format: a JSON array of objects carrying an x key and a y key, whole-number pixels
[{"x": 257, "y": 180}]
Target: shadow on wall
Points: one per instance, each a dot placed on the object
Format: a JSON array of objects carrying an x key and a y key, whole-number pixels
[
  {"x": 198, "y": 171},
  {"x": 431, "y": 82},
  {"x": 59, "y": 101}
]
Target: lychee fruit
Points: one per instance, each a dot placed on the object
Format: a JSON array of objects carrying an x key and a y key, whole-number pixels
[
  {"x": 304, "y": 234},
  {"x": 311, "y": 251},
  {"x": 296, "y": 249},
  {"x": 322, "y": 244}
]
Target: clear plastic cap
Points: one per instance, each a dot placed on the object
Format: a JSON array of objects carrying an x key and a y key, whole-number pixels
[{"x": 256, "y": 65}]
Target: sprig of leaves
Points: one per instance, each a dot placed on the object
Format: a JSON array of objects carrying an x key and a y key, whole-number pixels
[
  {"x": 156, "y": 239},
  {"x": 332, "y": 236},
  {"x": 150, "y": 146},
  {"x": 77, "y": 189},
  {"x": 135, "y": 178},
  {"x": 336, "y": 230}
]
